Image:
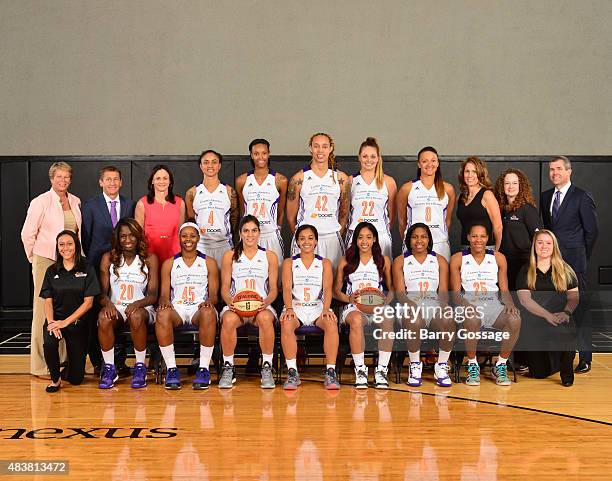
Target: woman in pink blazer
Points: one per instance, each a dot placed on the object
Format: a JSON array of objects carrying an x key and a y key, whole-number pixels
[{"x": 48, "y": 215}]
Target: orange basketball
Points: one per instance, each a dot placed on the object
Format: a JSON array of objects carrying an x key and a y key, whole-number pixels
[
  {"x": 368, "y": 299},
  {"x": 246, "y": 303}
]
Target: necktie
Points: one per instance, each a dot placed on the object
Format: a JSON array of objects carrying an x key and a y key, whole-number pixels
[
  {"x": 556, "y": 204},
  {"x": 113, "y": 212}
]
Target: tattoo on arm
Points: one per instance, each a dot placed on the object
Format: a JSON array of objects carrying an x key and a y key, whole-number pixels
[
  {"x": 292, "y": 190},
  {"x": 234, "y": 213}
]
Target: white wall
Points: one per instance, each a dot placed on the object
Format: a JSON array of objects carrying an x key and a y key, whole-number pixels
[{"x": 174, "y": 77}]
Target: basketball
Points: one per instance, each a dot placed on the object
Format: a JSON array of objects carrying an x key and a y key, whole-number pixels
[
  {"x": 247, "y": 302},
  {"x": 368, "y": 298}
]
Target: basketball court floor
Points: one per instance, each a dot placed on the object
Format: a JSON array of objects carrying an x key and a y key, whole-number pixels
[{"x": 533, "y": 430}]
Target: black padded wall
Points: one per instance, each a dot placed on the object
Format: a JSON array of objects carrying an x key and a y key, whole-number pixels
[{"x": 23, "y": 178}]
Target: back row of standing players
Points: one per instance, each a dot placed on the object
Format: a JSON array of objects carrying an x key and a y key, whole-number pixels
[{"x": 335, "y": 205}]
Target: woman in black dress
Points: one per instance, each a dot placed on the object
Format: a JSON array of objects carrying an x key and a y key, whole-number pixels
[
  {"x": 477, "y": 205},
  {"x": 548, "y": 290}
]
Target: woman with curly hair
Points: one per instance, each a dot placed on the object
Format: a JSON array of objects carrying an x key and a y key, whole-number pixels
[
  {"x": 477, "y": 205},
  {"x": 520, "y": 219},
  {"x": 129, "y": 282}
]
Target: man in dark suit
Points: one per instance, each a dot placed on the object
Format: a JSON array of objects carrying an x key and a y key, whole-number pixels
[
  {"x": 100, "y": 215},
  {"x": 570, "y": 213}
]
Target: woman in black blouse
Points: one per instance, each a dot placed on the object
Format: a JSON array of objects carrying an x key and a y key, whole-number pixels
[
  {"x": 520, "y": 220},
  {"x": 548, "y": 289},
  {"x": 477, "y": 205},
  {"x": 69, "y": 288}
]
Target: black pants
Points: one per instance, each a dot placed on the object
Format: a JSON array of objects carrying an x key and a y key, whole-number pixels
[
  {"x": 582, "y": 315},
  {"x": 76, "y": 346}
]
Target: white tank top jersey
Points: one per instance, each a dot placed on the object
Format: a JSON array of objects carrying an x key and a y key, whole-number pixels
[
  {"x": 479, "y": 279},
  {"x": 424, "y": 206},
  {"x": 421, "y": 280},
  {"x": 131, "y": 284},
  {"x": 251, "y": 274},
  {"x": 262, "y": 200},
  {"x": 319, "y": 202},
  {"x": 307, "y": 282},
  {"x": 369, "y": 204},
  {"x": 189, "y": 284},
  {"x": 366, "y": 275},
  {"x": 212, "y": 212}
]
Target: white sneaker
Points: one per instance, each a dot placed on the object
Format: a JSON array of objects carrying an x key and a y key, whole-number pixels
[
  {"x": 361, "y": 377},
  {"x": 380, "y": 378},
  {"x": 441, "y": 370},
  {"x": 415, "y": 378}
]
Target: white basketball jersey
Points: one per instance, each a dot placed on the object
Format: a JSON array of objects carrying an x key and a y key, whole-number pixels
[
  {"x": 366, "y": 275},
  {"x": 212, "y": 212},
  {"x": 251, "y": 274},
  {"x": 130, "y": 284},
  {"x": 424, "y": 206},
  {"x": 307, "y": 282},
  {"x": 421, "y": 279},
  {"x": 368, "y": 204},
  {"x": 319, "y": 202},
  {"x": 189, "y": 284},
  {"x": 261, "y": 201},
  {"x": 479, "y": 279}
]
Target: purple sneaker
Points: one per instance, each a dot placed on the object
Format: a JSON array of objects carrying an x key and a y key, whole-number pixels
[
  {"x": 173, "y": 379},
  {"x": 140, "y": 376},
  {"x": 202, "y": 379},
  {"x": 108, "y": 377}
]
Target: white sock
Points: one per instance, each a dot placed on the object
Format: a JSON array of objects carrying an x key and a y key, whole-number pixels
[
  {"x": 383, "y": 358},
  {"x": 414, "y": 356},
  {"x": 443, "y": 356},
  {"x": 472, "y": 361},
  {"x": 206, "y": 353},
  {"x": 331, "y": 366},
  {"x": 168, "y": 354},
  {"x": 229, "y": 359},
  {"x": 501, "y": 360},
  {"x": 291, "y": 364},
  {"x": 109, "y": 356},
  {"x": 267, "y": 358},
  {"x": 359, "y": 359},
  {"x": 140, "y": 355}
]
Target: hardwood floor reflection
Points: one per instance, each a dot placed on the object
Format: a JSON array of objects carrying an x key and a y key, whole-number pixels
[{"x": 248, "y": 433}]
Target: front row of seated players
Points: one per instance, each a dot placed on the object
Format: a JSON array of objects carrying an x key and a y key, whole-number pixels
[{"x": 190, "y": 283}]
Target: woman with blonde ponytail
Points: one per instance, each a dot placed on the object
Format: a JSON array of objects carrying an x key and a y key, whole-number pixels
[
  {"x": 372, "y": 196},
  {"x": 319, "y": 195},
  {"x": 548, "y": 289}
]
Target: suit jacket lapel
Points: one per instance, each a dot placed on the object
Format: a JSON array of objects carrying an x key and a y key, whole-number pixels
[
  {"x": 566, "y": 200},
  {"x": 104, "y": 209},
  {"x": 124, "y": 207},
  {"x": 546, "y": 200}
]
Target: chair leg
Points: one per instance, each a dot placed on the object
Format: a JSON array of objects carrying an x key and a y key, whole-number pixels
[{"x": 400, "y": 357}]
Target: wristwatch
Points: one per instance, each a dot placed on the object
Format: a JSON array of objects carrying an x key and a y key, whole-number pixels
[{"x": 569, "y": 313}]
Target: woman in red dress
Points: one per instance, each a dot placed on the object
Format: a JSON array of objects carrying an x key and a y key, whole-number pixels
[{"x": 160, "y": 213}]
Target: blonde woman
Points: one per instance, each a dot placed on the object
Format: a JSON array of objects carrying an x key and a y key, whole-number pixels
[
  {"x": 372, "y": 196},
  {"x": 548, "y": 290},
  {"x": 49, "y": 214}
]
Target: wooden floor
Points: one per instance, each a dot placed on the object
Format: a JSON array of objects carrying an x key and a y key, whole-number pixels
[{"x": 533, "y": 430}]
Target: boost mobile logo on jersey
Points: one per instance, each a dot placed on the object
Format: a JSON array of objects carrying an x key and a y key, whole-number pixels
[{"x": 213, "y": 231}]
